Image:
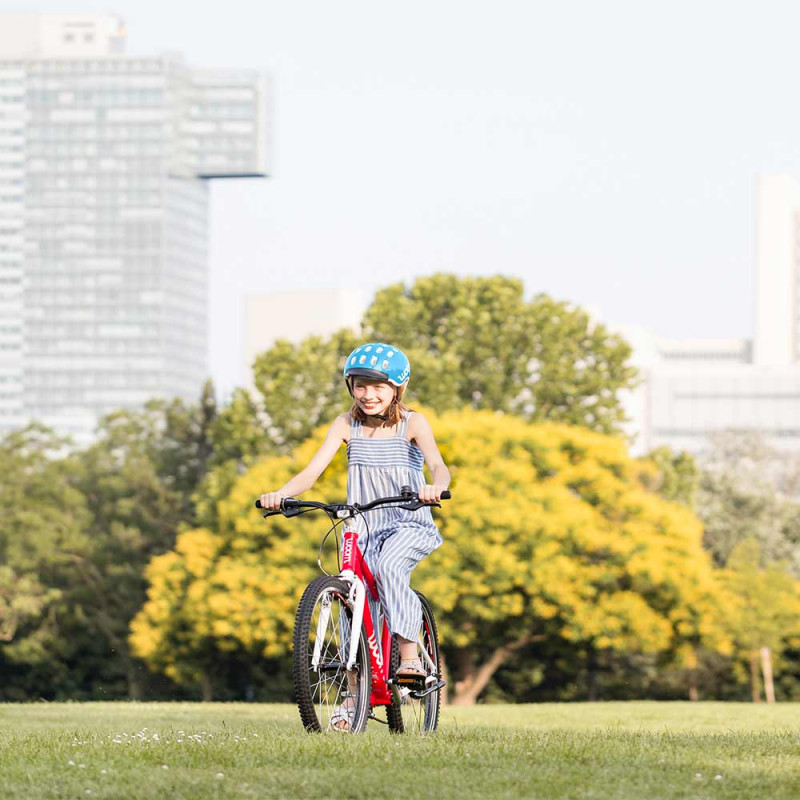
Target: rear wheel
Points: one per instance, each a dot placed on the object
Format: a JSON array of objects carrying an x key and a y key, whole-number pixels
[
  {"x": 330, "y": 697},
  {"x": 409, "y": 713}
]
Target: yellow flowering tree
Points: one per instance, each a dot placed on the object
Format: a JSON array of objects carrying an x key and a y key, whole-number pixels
[
  {"x": 551, "y": 535},
  {"x": 235, "y": 589}
]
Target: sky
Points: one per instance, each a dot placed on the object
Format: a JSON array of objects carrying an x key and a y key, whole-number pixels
[{"x": 604, "y": 153}]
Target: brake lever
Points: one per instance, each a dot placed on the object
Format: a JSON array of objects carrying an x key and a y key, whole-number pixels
[
  {"x": 416, "y": 506},
  {"x": 292, "y": 512}
]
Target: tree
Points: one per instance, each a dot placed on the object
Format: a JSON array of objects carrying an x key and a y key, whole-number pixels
[
  {"x": 746, "y": 492},
  {"x": 43, "y": 532},
  {"x": 239, "y": 436},
  {"x": 677, "y": 475},
  {"x": 477, "y": 342},
  {"x": 747, "y": 455},
  {"x": 763, "y": 612},
  {"x": 473, "y": 342},
  {"x": 233, "y": 590},
  {"x": 551, "y": 536},
  {"x": 302, "y": 386}
]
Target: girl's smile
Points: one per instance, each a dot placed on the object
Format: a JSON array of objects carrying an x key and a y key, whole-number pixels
[{"x": 373, "y": 397}]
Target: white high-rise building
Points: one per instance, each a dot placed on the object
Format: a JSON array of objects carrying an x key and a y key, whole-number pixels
[
  {"x": 691, "y": 388},
  {"x": 104, "y": 163},
  {"x": 777, "y": 339}
]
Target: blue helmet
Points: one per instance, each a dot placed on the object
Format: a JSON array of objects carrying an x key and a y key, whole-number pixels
[{"x": 378, "y": 361}]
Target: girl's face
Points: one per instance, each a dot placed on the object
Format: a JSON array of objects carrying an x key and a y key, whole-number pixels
[{"x": 373, "y": 397}]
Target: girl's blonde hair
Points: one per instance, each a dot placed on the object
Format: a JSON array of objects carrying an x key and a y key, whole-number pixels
[{"x": 396, "y": 411}]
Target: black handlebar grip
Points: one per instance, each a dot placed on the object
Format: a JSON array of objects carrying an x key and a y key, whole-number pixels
[
  {"x": 446, "y": 494},
  {"x": 258, "y": 504}
]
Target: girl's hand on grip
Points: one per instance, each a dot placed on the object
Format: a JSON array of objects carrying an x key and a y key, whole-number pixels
[
  {"x": 431, "y": 493},
  {"x": 272, "y": 500}
]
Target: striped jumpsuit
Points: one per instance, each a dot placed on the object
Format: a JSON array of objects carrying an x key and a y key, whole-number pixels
[{"x": 392, "y": 540}]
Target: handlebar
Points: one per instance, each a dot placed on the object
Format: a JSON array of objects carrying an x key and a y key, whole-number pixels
[{"x": 408, "y": 500}]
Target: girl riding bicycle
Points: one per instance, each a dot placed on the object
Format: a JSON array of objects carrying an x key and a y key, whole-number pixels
[{"x": 387, "y": 444}]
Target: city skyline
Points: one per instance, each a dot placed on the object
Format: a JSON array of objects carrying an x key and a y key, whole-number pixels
[
  {"x": 607, "y": 156},
  {"x": 105, "y": 160}
]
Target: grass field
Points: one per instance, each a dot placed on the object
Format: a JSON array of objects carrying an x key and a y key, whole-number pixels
[{"x": 636, "y": 751}]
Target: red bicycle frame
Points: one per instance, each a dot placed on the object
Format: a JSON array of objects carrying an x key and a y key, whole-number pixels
[{"x": 355, "y": 567}]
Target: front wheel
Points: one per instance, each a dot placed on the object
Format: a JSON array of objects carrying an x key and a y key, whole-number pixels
[
  {"x": 330, "y": 697},
  {"x": 409, "y": 713}
]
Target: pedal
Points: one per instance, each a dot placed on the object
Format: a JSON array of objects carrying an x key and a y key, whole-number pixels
[
  {"x": 430, "y": 690},
  {"x": 412, "y": 683}
]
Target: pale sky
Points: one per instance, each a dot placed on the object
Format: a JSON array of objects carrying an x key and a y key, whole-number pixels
[{"x": 606, "y": 153}]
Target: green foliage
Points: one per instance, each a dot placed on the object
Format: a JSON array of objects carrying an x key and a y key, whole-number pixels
[
  {"x": 764, "y": 605},
  {"x": 472, "y": 342},
  {"x": 301, "y": 385},
  {"x": 238, "y": 437},
  {"x": 677, "y": 475},
  {"x": 477, "y": 342},
  {"x": 42, "y": 536}
]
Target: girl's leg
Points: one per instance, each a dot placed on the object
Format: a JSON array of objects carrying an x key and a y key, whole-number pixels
[{"x": 399, "y": 555}]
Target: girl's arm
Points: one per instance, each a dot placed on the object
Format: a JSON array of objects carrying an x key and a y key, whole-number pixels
[
  {"x": 304, "y": 480},
  {"x": 420, "y": 431}
]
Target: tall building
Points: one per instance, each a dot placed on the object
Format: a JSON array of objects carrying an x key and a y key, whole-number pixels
[
  {"x": 691, "y": 388},
  {"x": 777, "y": 339},
  {"x": 104, "y": 166}
]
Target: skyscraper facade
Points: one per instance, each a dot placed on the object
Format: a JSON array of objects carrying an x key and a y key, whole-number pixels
[
  {"x": 777, "y": 339},
  {"x": 104, "y": 163}
]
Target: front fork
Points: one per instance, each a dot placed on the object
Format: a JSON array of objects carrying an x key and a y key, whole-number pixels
[{"x": 357, "y": 600}]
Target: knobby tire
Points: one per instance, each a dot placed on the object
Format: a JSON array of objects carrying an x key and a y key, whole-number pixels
[
  {"x": 320, "y": 692},
  {"x": 417, "y": 716}
]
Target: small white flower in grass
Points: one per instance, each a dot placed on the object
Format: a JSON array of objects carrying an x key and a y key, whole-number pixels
[
  {"x": 70, "y": 763},
  {"x": 698, "y": 775},
  {"x": 220, "y": 774},
  {"x": 164, "y": 766},
  {"x": 104, "y": 772},
  {"x": 82, "y": 766},
  {"x": 718, "y": 777}
]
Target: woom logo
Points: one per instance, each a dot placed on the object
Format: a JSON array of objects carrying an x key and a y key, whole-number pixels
[
  {"x": 347, "y": 553},
  {"x": 374, "y": 649}
]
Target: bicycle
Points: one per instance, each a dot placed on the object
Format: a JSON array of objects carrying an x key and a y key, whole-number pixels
[{"x": 343, "y": 678}]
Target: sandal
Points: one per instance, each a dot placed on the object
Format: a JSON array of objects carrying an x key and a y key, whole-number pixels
[
  {"x": 411, "y": 668},
  {"x": 343, "y": 714}
]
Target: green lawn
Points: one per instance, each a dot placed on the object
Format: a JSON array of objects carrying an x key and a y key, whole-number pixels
[{"x": 637, "y": 751}]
